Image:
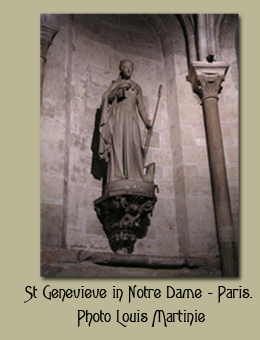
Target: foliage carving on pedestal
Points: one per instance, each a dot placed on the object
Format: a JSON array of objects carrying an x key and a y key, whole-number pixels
[{"x": 124, "y": 219}]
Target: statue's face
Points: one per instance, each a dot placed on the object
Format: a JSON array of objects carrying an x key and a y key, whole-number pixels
[{"x": 126, "y": 70}]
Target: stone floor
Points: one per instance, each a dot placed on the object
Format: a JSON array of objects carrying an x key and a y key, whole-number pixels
[{"x": 69, "y": 263}]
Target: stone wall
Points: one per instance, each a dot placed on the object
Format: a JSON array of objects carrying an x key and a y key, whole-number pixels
[
  {"x": 229, "y": 111},
  {"x": 81, "y": 62},
  {"x": 53, "y": 132}
]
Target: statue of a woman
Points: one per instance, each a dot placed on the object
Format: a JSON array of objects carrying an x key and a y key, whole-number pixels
[{"x": 120, "y": 138}]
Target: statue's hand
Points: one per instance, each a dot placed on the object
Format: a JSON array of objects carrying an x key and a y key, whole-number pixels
[{"x": 148, "y": 126}]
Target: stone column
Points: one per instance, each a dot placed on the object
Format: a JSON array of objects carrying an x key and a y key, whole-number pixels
[
  {"x": 206, "y": 79},
  {"x": 48, "y": 32}
]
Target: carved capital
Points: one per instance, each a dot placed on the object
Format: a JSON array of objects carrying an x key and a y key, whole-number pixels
[
  {"x": 206, "y": 78},
  {"x": 47, "y": 34},
  {"x": 208, "y": 87}
]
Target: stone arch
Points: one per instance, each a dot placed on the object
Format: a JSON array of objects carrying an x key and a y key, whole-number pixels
[{"x": 227, "y": 32}]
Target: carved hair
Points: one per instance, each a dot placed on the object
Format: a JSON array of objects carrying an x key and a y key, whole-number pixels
[{"x": 124, "y": 61}]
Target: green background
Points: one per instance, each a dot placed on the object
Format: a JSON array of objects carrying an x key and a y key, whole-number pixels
[{"x": 20, "y": 195}]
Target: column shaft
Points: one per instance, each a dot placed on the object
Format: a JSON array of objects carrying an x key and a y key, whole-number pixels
[
  {"x": 206, "y": 79},
  {"x": 220, "y": 191}
]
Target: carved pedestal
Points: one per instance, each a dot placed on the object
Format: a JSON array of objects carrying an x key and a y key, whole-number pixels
[{"x": 124, "y": 211}]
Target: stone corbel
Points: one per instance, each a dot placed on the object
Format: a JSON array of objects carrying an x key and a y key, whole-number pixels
[{"x": 124, "y": 212}]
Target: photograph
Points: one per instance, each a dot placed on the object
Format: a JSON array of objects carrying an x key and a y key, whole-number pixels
[{"x": 139, "y": 146}]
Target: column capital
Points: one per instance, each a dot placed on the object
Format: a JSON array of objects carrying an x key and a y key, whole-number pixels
[
  {"x": 206, "y": 78},
  {"x": 48, "y": 32}
]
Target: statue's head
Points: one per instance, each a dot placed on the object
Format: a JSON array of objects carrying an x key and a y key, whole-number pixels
[{"x": 126, "y": 68}]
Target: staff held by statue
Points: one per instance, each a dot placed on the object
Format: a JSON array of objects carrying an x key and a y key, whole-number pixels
[{"x": 150, "y": 131}]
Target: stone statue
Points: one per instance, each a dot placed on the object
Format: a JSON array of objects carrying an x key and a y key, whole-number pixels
[
  {"x": 120, "y": 138},
  {"x": 129, "y": 194}
]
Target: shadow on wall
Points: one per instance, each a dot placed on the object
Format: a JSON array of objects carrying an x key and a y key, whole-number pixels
[{"x": 98, "y": 166}]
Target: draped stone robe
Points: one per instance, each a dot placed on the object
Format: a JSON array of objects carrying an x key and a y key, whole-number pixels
[{"x": 120, "y": 137}]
